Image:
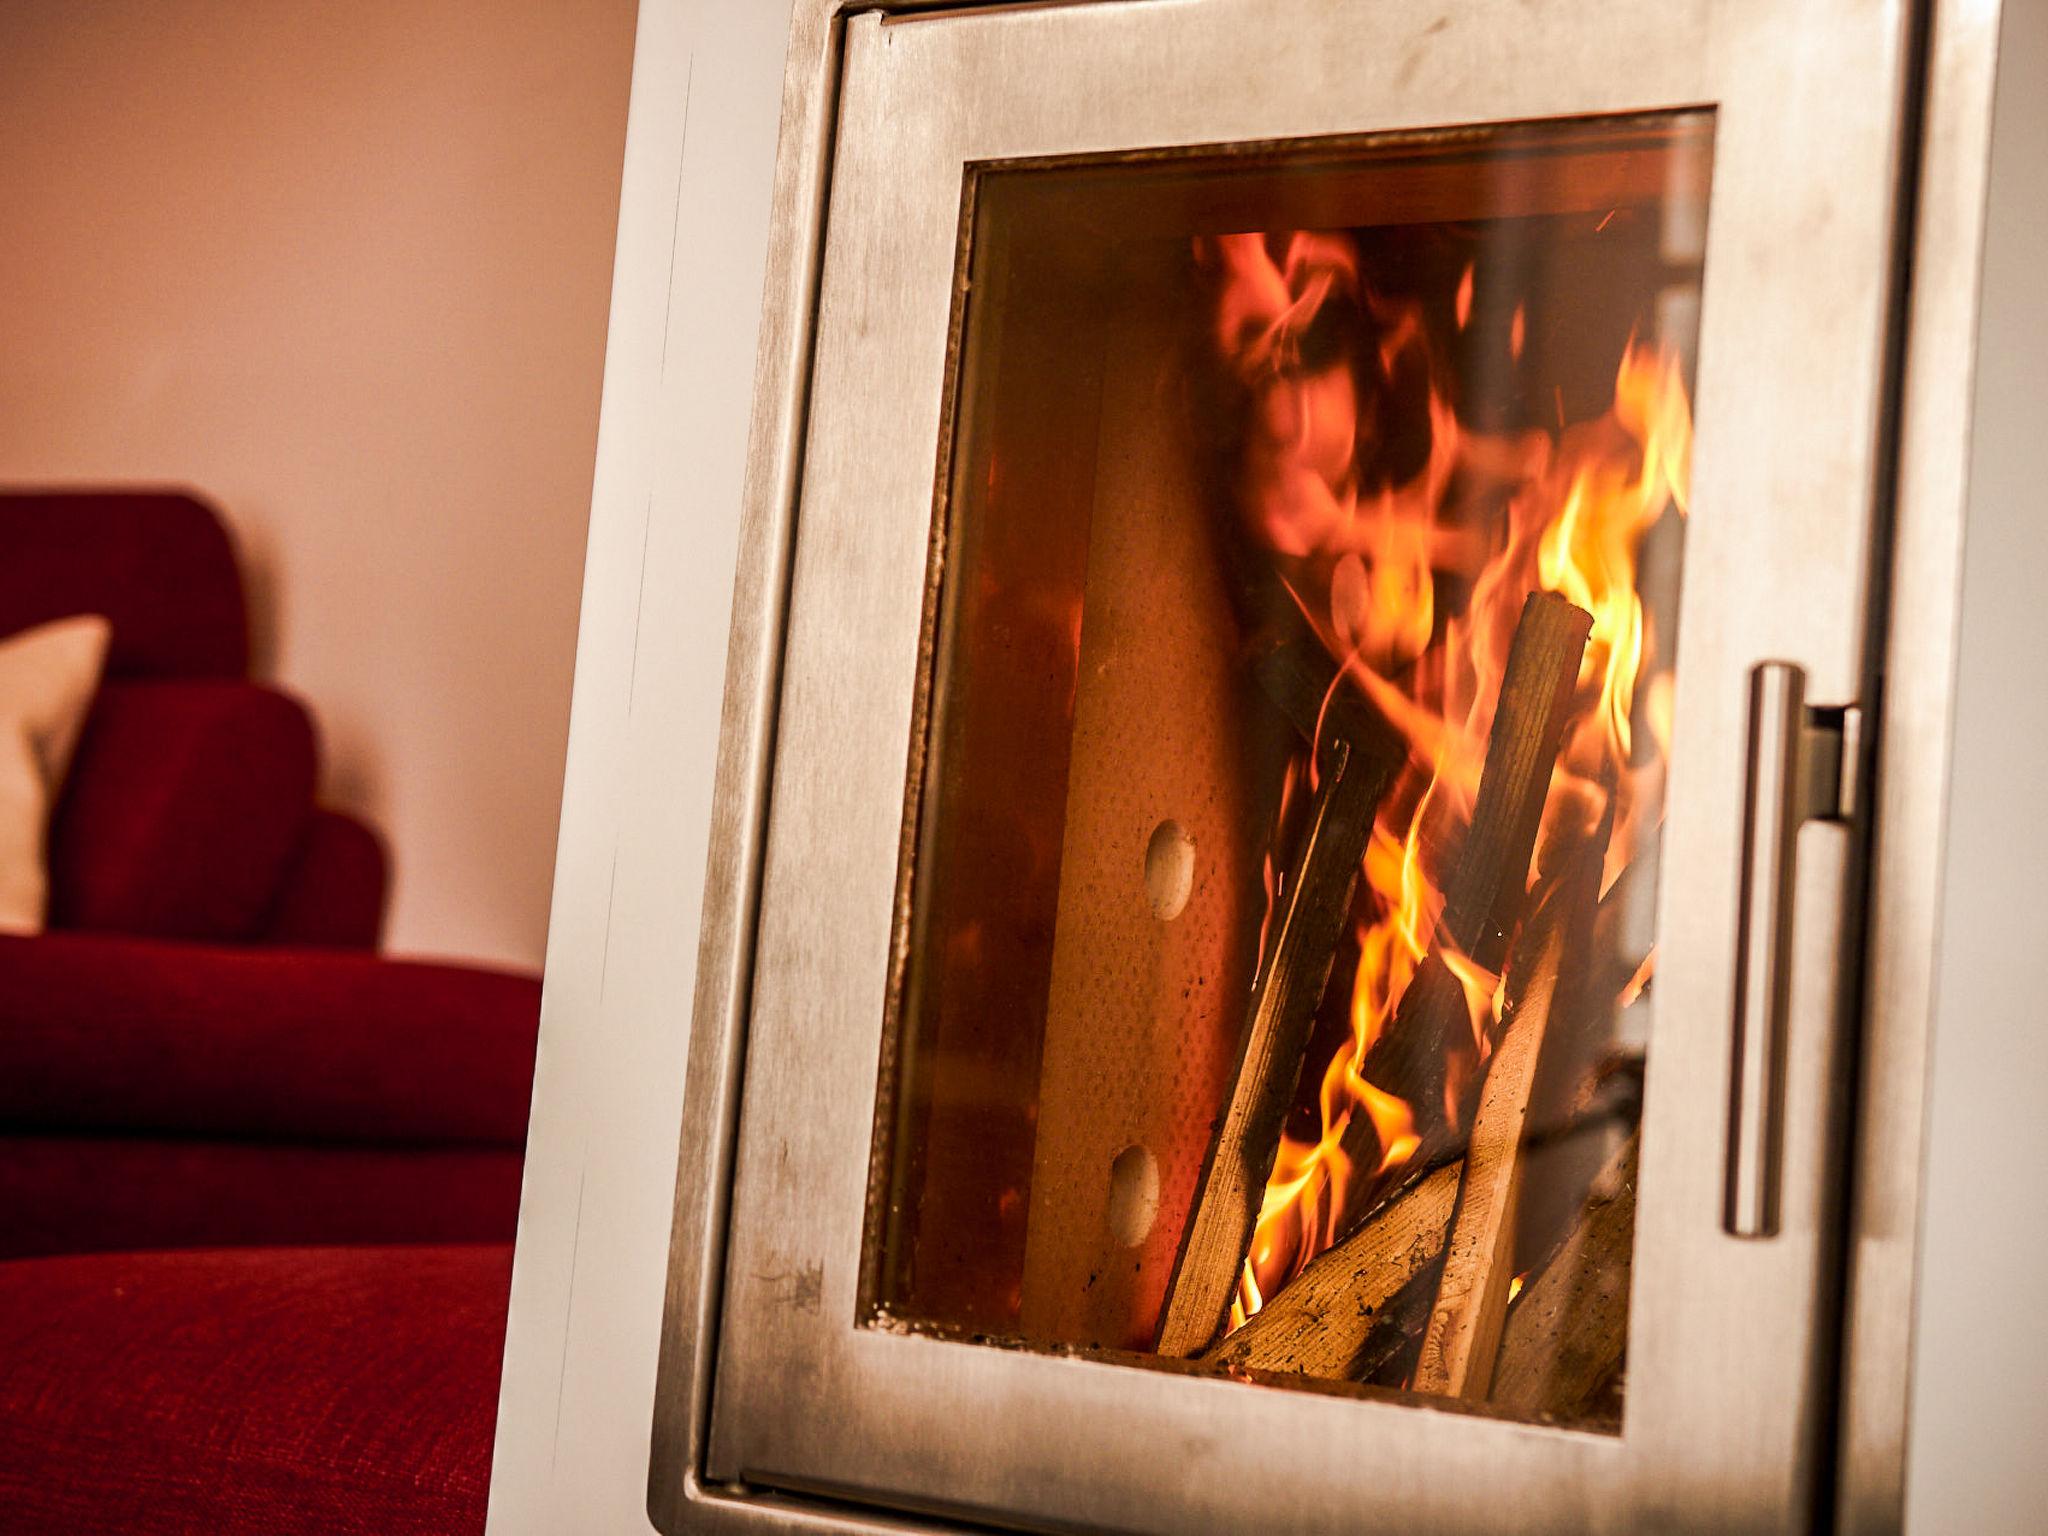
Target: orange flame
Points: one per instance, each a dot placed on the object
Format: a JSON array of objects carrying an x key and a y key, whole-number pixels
[{"x": 1362, "y": 558}]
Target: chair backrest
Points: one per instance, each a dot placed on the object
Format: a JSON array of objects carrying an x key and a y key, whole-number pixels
[
  {"x": 189, "y": 808},
  {"x": 158, "y": 564}
]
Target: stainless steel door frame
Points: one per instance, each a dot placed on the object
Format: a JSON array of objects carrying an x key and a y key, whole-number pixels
[
  {"x": 1570, "y": 1478},
  {"x": 1917, "y": 655}
]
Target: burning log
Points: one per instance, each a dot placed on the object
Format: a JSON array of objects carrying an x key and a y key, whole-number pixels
[
  {"x": 1360, "y": 1310},
  {"x": 1369, "y": 583},
  {"x": 1555, "y": 1170},
  {"x": 1441, "y": 1330},
  {"x": 1483, "y": 899},
  {"x": 1542, "y": 1050},
  {"x": 1472, "y": 1298},
  {"x": 1564, "y": 1341},
  {"x": 1320, "y": 1324},
  {"x": 1481, "y": 906},
  {"x": 1362, "y": 1306},
  {"x": 1360, "y": 759}
]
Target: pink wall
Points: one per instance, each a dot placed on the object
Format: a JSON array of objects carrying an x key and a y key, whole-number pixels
[{"x": 343, "y": 266}]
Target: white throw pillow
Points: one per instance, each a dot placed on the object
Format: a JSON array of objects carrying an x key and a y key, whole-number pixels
[{"x": 47, "y": 678}]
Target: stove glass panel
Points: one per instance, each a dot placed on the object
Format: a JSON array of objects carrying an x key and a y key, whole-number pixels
[{"x": 1278, "y": 963}]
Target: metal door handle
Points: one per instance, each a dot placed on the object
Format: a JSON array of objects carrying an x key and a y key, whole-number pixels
[{"x": 1802, "y": 766}]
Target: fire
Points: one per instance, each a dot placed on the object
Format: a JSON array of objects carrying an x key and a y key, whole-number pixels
[{"x": 1365, "y": 556}]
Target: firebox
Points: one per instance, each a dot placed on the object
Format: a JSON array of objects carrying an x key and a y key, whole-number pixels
[
  {"x": 1306, "y": 772},
  {"x": 1300, "y": 696}
]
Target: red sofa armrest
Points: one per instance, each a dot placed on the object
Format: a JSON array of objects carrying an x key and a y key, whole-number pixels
[
  {"x": 334, "y": 895},
  {"x": 140, "y": 1037}
]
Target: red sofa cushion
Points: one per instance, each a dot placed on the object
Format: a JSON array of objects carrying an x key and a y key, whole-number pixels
[
  {"x": 92, "y": 1194},
  {"x": 266, "y": 1392},
  {"x": 158, "y": 564},
  {"x": 130, "y": 1036},
  {"x": 184, "y": 808},
  {"x": 333, "y": 894}
]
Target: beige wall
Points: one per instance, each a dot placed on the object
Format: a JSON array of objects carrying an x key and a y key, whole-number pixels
[{"x": 343, "y": 266}]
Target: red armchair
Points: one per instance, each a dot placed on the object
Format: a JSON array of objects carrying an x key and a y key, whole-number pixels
[
  {"x": 205, "y": 1054},
  {"x": 189, "y": 809},
  {"x": 205, "y": 1048}
]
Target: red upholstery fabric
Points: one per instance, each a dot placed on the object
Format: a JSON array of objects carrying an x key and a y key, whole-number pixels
[
  {"x": 184, "y": 808},
  {"x": 99, "y": 1033},
  {"x": 158, "y": 564},
  {"x": 277, "y": 1390},
  {"x": 334, "y": 894},
  {"x": 89, "y": 1194},
  {"x": 332, "y": 1392}
]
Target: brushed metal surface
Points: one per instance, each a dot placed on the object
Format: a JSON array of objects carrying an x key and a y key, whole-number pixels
[
  {"x": 1763, "y": 944},
  {"x": 676, "y": 1494},
  {"x": 1916, "y": 652},
  {"x": 1795, "y": 250}
]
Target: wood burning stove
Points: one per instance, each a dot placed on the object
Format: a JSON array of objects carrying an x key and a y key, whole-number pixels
[{"x": 1290, "y": 956}]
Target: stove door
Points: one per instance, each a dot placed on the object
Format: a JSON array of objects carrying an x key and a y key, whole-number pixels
[{"x": 1325, "y": 536}]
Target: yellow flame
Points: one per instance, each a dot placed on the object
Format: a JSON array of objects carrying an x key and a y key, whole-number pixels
[{"x": 1365, "y": 567}]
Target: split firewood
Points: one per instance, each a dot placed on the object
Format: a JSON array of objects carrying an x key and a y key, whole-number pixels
[
  {"x": 1358, "y": 757},
  {"x": 1388, "y": 1359},
  {"x": 1359, "y": 1311},
  {"x": 1515, "y": 1129},
  {"x": 1391, "y": 1354},
  {"x": 1543, "y": 1050},
  {"x": 1572, "y": 864},
  {"x": 1564, "y": 1341},
  {"x": 1320, "y": 1323},
  {"x": 1472, "y": 1297},
  {"x": 1484, "y": 897}
]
